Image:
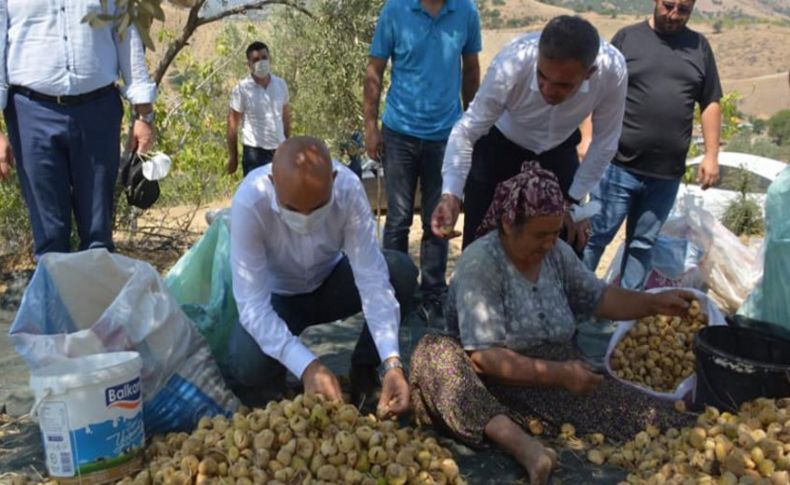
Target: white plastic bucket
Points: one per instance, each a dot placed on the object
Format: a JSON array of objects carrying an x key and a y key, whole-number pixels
[{"x": 90, "y": 412}]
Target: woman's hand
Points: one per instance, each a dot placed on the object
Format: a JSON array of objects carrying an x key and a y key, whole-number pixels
[
  {"x": 620, "y": 304},
  {"x": 579, "y": 378},
  {"x": 674, "y": 303}
]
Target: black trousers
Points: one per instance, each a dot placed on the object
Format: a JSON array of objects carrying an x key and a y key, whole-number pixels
[
  {"x": 254, "y": 157},
  {"x": 496, "y": 159},
  {"x": 257, "y": 378}
]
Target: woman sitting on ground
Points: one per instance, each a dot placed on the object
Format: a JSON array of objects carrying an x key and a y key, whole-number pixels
[{"x": 511, "y": 311}]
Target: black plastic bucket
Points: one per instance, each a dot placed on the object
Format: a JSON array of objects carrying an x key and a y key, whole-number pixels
[
  {"x": 759, "y": 325},
  {"x": 735, "y": 365}
]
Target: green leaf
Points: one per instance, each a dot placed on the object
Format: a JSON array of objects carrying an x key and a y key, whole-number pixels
[
  {"x": 145, "y": 36},
  {"x": 144, "y": 18},
  {"x": 89, "y": 17},
  {"x": 123, "y": 25},
  {"x": 153, "y": 7},
  {"x": 97, "y": 22}
]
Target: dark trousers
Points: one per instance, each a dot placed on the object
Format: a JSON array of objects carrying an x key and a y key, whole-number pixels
[
  {"x": 407, "y": 159},
  {"x": 67, "y": 161},
  {"x": 254, "y": 157},
  {"x": 496, "y": 159},
  {"x": 257, "y": 378}
]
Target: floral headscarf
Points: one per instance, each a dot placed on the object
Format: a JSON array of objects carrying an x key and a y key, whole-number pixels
[{"x": 533, "y": 192}]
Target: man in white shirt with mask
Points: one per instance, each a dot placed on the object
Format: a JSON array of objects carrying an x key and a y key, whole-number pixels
[
  {"x": 304, "y": 252},
  {"x": 259, "y": 104}
]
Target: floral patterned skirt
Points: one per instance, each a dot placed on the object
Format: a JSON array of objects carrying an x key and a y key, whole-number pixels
[{"x": 449, "y": 395}]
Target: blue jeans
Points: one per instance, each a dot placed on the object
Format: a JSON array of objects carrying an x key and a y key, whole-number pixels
[
  {"x": 407, "y": 159},
  {"x": 254, "y": 157},
  {"x": 646, "y": 202},
  {"x": 257, "y": 378},
  {"x": 67, "y": 161}
]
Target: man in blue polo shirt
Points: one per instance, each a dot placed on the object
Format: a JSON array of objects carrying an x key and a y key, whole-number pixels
[{"x": 433, "y": 46}]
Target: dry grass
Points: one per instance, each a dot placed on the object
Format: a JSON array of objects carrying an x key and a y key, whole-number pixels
[
  {"x": 530, "y": 8},
  {"x": 763, "y": 96},
  {"x": 752, "y": 8},
  {"x": 750, "y": 51}
]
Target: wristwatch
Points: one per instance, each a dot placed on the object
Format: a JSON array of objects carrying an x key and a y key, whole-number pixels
[
  {"x": 387, "y": 366},
  {"x": 146, "y": 118}
]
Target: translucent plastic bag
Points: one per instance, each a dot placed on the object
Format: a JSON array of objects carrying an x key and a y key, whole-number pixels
[
  {"x": 715, "y": 317},
  {"x": 729, "y": 268},
  {"x": 201, "y": 283},
  {"x": 769, "y": 300},
  {"x": 673, "y": 264},
  {"x": 91, "y": 302}
]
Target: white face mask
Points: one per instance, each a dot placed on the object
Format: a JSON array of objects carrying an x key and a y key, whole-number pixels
[
  {"x": 262, "y": 68},
  {"x": 305, "y": 223}
]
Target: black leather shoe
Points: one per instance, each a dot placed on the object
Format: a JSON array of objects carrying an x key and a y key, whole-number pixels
[{"x": 365, "y": 387}]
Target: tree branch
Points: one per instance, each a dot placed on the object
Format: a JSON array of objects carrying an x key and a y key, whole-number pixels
[
  {"x": 175, "y": 47},
  {"x": 194, "y": 21},
  {"x": 240, "y": 9}
]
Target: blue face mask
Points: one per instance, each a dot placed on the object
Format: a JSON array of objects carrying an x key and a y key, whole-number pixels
[{"x": 305, "y": 223}]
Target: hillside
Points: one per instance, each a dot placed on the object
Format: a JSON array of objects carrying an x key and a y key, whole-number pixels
[
  {"x": 760, "y": 9},
  {"x": 751, "y": 55}
]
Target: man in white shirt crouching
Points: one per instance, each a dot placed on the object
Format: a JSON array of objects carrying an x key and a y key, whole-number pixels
[{"x": 304, "y": 252}]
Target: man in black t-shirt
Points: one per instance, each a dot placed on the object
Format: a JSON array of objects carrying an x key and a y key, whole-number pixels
[{"x": 670, "y": 68}]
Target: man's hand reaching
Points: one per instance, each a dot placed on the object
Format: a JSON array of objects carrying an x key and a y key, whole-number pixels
[{"x": 318, "y": 379}]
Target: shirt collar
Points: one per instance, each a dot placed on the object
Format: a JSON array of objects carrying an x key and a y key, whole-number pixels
[
  {"x": 449, "y": 6},
  {"x": 268, "y": 186},
  {"x": 533, "y": 86}
]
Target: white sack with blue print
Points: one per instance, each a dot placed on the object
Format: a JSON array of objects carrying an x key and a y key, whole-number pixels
[{"x": 92, "y": 302}]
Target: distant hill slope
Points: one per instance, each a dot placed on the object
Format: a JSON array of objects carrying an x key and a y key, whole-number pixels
[
  {"x": 763, "y": 9},
  {"x": 753, "y": 57}
]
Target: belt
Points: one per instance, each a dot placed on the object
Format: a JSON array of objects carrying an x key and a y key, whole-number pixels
[{"x": 66, "y": 100}]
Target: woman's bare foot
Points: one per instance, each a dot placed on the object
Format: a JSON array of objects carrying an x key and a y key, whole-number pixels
[{"x": 538, "y": 460}]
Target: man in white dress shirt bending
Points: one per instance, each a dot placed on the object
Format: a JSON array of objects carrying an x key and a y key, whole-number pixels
[
  {"x": 304, "y": 252},
  {"x": 536, "y": 93}
]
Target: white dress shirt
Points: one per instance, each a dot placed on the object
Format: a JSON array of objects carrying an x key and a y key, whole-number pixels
[
  {"x": 45, "y": 46},
  {"x": 510, "y": 99},
  {"x": 268, "y": 257},
  {"x": 262, "y": 111}
]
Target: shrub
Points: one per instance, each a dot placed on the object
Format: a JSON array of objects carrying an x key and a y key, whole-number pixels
[
  {"x": 779, "y": 127},
  {"x": 743, "y": 216}
]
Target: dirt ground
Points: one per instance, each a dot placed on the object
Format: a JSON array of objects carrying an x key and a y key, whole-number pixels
[{"x": 20, "y": 445}]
